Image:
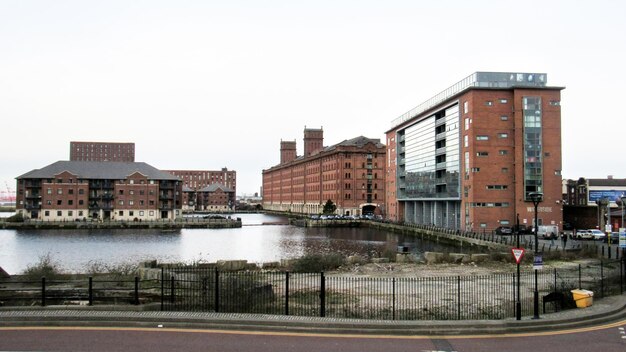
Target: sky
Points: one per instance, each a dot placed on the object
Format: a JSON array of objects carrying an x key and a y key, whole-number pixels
[{"x": 203, "y": 85}]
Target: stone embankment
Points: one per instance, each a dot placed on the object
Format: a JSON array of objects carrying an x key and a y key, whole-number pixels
[{"x": 163, "y": 225}]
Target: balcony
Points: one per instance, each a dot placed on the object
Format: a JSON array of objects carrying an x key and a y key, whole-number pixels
[
  {"x": 33, "y": 196},
  {"x": 440, "y": 151},
  {"x": 32, "y": 206},
  {"x": 166, "y": 185},
  {"x": 440, "y": 136},
  {"x": 441, "y": 165}
]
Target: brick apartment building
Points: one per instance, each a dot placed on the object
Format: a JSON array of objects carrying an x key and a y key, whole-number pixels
[
  {"x": 349, "y": 173},
  {"x": 76, "y": 190},
  {"x": 102, "y": 151},
  {"x": 208, "y": 190},
  {"x": 469, "y": 157}
]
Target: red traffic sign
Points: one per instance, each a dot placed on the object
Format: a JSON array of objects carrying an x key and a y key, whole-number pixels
[{"x": 518, "y": 253}]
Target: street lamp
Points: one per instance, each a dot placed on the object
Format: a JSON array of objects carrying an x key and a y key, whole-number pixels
[
  {"x": 518, "y": 303},
  {"x": 536, "y": 198},
  {"x": 623, "y": 199}
]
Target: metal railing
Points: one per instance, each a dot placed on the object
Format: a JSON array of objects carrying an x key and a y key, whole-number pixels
[{"x": 204, "y": 288}]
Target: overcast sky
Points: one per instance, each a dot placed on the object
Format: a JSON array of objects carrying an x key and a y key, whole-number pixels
[{"x": 212, "y": 84}]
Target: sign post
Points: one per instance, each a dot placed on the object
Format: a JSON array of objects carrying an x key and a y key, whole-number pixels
[{"x": 518, "y": 253}]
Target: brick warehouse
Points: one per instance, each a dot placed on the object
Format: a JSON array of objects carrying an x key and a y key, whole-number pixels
[
  {"x": 468, "y": 157},
  {"x": 102, "y": 151},
  {"x": 208, "y": 190},
  {"x": 350, "y": 174}
]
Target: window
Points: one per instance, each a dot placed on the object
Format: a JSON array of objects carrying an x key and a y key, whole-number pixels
[
  {"x": 60, "y": 191},
  {"x": 70, "y": 213},
  {"x": 489, "y": 103},
  {"x": 70, "y": 191},
  {"x": 555, "y": 103},
  {"x": 131, "y": 192},
  {"x": 131, "y": 213},
  {"x": 121, "y": 192},
  {"x": 121, "y": 202},
  {"x": 482, "y": 138},
  {"x": 497, "y": 187},
  {"x": 80, "y": 202},
  {"x": 49, "y": 190},
  {"x": 46, "y": 213},
  {"x": 504, "y": 118},
  {"x": 475, "y": 169},
  {"x": 482, "y": 153},
  {"x": 465, "y": 141},
  {"x": 81, "y": 191},
  {"x": 467, "y": 123},
  {"x": 80, "y": 213},
  {"x": 141, "y": 213},
  {"x": 503, "y": 101},
  {"x": 70, "y": 202},
  {"x": 59, "y": 202},
  {"x": 130, "y": 202},
  {"x": 121, "y": 213},
  {"x": 49, "y": 202},
  {"x": 504, "y": 222},
  {"x": 504, "y": 170},
  {"x": 503, "y": 135},
  {"x": 59, "y": 213},
  {"x": 503, "y": 152},
  {"x": 465, "y": 107}
]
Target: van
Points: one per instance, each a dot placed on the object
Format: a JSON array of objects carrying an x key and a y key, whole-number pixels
[{"x": 548, "y": 231}]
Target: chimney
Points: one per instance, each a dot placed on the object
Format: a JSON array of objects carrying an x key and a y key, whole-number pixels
[
  {"x": 313, "y": 141},
  {"x": 287, "y": 151}
]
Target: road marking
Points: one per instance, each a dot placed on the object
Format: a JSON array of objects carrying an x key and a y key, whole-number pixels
[{"x": 300, "y": 334}]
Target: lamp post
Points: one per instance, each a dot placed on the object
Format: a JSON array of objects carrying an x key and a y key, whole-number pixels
[
  {"x": 518, "y": 303},
  {"x": 623, "y": 199},
  {"x": 536, "y": 198}
]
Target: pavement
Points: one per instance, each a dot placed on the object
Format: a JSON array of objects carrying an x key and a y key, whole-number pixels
[{"x": 603, "y": 311}]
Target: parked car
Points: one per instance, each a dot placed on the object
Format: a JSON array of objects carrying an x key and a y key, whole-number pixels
[
  {"x": 504, "y": 230},
  {"x": 597, "y": 234},
  {"x": 584, "y": 235}
]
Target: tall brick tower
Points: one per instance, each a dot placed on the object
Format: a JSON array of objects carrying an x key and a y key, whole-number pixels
[
  {"x": 313, "y": 141},
  {"x": 287, "y": 151}
]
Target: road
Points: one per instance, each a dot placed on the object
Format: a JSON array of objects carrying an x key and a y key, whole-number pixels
[{"x": 606, "y": 338}]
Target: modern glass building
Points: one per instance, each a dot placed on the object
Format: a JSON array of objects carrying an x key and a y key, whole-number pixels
[{"x": 468, "y": 157}]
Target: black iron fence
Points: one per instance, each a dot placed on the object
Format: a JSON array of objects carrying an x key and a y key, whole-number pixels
[{"x": 198, "y": 288}]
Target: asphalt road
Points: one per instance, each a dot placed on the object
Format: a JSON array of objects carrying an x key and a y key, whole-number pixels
[{"x": 606, "y": 338}]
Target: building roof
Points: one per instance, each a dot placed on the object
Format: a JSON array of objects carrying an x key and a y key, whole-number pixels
[
  {"x": 599, "y": 182},
  {"x": 109, "y": 170},
  {"x": 214, "y": 187},
  {"x": 359, "y": 141},
  {"x": 478, "y": 80}
]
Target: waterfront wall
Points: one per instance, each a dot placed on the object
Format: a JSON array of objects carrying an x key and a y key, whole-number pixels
[{"x": 178, "y": 224}]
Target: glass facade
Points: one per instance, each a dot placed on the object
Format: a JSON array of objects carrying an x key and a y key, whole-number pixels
[
  {"x": 533, "y": 150},
  {"x": 429, "y": 157}
]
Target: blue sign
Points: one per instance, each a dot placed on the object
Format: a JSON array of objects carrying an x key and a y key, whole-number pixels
[
  {"x": 538, "y": 262},
  {"x": 622, "y": 237},
  {"x": 612, "y": 195}
]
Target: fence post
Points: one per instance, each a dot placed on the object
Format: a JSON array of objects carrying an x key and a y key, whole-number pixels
[
  {"x": 322, "y": 295},
  {"x": 286, "y": 293},
  {"x": 90, "y": 291},
  {"x": 172, "y": 298},
  {"x": 393, "y": 299},
  {"x": 162, "y": 287},
  {"x": 43, "y": 291},
  {"x": 217, "y": 290},
  {"x": 458, "y": 300},
  {"x": 580, "y": 274},
  {"x": 602, "y": 277},
  {"x": 555, "y": 280},
  {"x": 136, "y": 290}
]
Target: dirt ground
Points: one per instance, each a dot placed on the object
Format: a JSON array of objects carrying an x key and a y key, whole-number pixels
[{"x": 443, "y": 269}]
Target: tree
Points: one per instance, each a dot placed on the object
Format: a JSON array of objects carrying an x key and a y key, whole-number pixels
[{"x": 329, "y": 207}]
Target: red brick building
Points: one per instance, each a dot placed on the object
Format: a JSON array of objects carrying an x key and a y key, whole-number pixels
[
  {"x": 76, "y": 190},
  {"x": 199, "y": 186},
  {"x": 350, "y": 174},
  {"x": 102, "y": 151},
  {"x": 470, "y": 156}
]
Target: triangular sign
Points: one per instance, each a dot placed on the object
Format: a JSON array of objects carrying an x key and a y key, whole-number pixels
[{"x": 518, "y": 253}]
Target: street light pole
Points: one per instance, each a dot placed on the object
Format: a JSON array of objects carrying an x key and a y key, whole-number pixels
[
  {"x": 536, "y": 198},
  {"x": 518, "y": 304}
]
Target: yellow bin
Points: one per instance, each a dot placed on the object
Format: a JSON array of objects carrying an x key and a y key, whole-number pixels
[{"x": 583, "y": 298}]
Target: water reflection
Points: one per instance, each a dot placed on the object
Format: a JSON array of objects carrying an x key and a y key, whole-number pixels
[{"x": 76, "y": 250}]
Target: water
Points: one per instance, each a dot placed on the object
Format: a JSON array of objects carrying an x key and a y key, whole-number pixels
[{"x": 78, "y": 250}]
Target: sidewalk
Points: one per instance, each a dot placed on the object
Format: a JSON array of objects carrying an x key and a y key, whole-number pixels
[{"x": 603, "y": 311}]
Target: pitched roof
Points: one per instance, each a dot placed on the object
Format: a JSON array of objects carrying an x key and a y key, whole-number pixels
[
  {"x": 214, "y": 187},
  {"x": 110, "y": 170}
]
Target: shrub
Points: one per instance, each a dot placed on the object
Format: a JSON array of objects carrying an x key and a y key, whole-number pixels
[
  {"x": 314, "y": 263},
  {"x": 15, "y": 218},
  {"x": 46, "y": 267}
]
